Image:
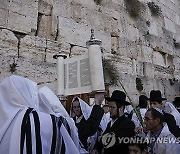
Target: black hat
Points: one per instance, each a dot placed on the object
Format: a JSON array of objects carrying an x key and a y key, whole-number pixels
[
  {"x": 155, "y": 95},
  {"x": 118, "y": 97},
  {"x": 143, "y": 98},
  {"x": 176, "y": 100}
]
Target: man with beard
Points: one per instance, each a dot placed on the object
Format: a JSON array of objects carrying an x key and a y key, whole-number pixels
[{"x": 118, "y": 128}]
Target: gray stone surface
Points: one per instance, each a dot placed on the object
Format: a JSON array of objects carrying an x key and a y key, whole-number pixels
[{"x": 32, "y": 31}]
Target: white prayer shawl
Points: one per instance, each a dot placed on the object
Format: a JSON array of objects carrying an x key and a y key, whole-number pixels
[
  {"x": 51, "y": 104},
  {"x": 166, "y": 147},
  {"x": 86, "y": 111},
  {"x": 16, "y": 95},
  {"x": 13, "y": 98},
  {"x": 170, "y": 108},
  {"x": 135, "y": 118},
  {"x": 128, "y": 109}
]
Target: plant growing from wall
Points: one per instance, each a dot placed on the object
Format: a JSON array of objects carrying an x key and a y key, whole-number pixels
[
  {"x": 154, "y": 8},
  {"x": 98, "y": 2},
  {"x": 134, "y": 7},
  {"x": 176, "y": 44},
  {"x": 139, "y": 85},
  {"x": 172, "y": 81},
  {"x": 13, "y": 67},
  {"x": 110, "y": 72}
]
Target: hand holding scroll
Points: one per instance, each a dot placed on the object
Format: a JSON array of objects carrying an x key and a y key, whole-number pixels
[{"x": 99, "y": 97}]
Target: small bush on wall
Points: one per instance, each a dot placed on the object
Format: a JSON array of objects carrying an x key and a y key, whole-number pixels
[
  {"x": 154, "y": 8},
  {"x": 134, "y": 7},
  {"x": 111, "y": 74},
  {"x": 176, "y": 44},
  {"x": 139, "y": 85},
  {"x": 98, "y": 2}
]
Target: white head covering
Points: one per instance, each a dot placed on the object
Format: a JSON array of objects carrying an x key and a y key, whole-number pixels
[
  {"x": 50, "y": 103},
  {"x": 170, "y": 108},
  {"x": 85, "y": 108},
  {"x": 86, "y": 111},
  {"x": 15, "y": 93},
  {"x": 49, "y": 100}
]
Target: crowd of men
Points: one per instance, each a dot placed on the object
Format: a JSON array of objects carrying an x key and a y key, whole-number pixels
[{"x": 32, "y": 120}]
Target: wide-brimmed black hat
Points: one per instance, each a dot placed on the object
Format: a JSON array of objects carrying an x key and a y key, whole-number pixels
[
  {"x": 155, "y": 95},
  {"x": 176, "y": 100},
  {"x": 143, "y": 98},
  {"x": 119, "y": 97}
]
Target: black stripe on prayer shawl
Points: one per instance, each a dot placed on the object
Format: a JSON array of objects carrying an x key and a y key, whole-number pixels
[
  {"x": 63, "y": 148},
  {"x": 24, "y": 130},
  {"x": 53, "y": 144},
  {"x": 66, "y": 125},
  {"x": 28, "y": 136},
  {"x": 37, "y": 130}
]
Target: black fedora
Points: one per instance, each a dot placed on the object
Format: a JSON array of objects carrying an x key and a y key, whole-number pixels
[
  {"x": 119, "y": 97},
  {"x": 176, "y": 100},
  {"x": 143, "y": 98},
  {"x": 155, "y": 95}
]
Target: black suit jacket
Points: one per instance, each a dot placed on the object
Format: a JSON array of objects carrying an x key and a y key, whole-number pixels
[{"x": 122, "y": 127}]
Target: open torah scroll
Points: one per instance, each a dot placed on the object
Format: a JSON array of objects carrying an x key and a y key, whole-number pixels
[{"x": 81, "y": 74}]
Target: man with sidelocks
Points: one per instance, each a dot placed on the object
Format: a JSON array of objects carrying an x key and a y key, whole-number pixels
[{"x": 120, "y": 126}]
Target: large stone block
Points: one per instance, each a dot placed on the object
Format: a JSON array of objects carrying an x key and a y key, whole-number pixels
[
  {"x": 8, "y": 43},
  {"x": 79, "y": 33},
  {"x": 32, "y": 47},
  {"x": 3, "y": 18},
  {"x": 23, "y": 9},
  {"x": 72, "y": 32},
  {"x": 169, "y": 25},
  {"x": 132, "y": 33},
  {"x": 4, "y": 4},
  {"x": 76, "y": 11},
  {"x": 61, "y": 8},
  {"x": 45, "y": 7},
  {"x": 76, "y": 50},
  {"x": 177, "y": 19},
  {"x": 125, "y": 65},
  {"x": 45, "y": 27},
  {"x": 159, "y": 59},
  {"x": 31, "y": 3},
  {"x": 148, "y": 70},
  {"x": 21, "y": 23},
  {"x": 153, "y": 29},
  {"x": 147, "y": 54},
  {"x": 132, "y": 49},
  {"x": 140, "y": 68},
  {"x": 171, "y": 4}
]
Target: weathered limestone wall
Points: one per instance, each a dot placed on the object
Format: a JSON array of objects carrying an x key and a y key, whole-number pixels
[{"x": 143, "y": 45}]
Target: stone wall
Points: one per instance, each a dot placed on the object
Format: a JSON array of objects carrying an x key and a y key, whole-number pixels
[{"x": 141, "y": 38}]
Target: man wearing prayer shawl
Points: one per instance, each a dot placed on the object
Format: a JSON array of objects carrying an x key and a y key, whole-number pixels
[
  {"x": 25, "y": 127},
  {"x": 162, "y": 141},
  {"x": 87, "y": 120},
  {"x": 172, "y": 116}
]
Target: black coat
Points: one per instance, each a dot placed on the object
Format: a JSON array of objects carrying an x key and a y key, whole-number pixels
[
  {"x": 171, "y": 122},
  {"x": 89, "y": 127},
  {"x": 122, "y": 127}
]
